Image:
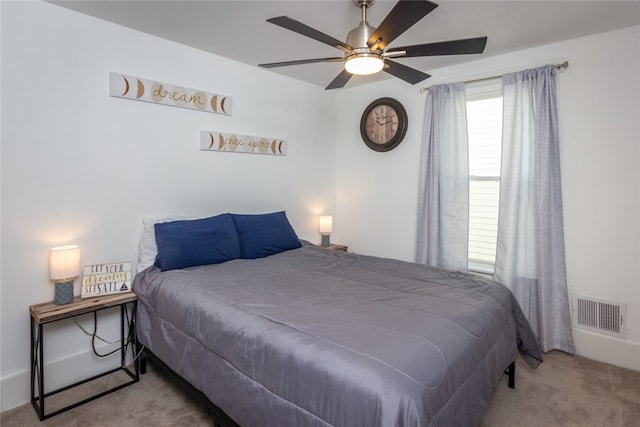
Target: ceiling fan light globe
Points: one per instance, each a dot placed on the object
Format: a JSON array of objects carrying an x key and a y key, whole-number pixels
[{"x": 364, "y": 64}]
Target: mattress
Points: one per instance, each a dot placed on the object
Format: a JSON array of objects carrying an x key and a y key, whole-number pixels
[{"x": 314, "y": 337}]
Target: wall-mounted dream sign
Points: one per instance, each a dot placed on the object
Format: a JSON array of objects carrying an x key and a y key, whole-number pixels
[
  {"x": 130, "y": 87},
  {"x": 216, "y": 141}
]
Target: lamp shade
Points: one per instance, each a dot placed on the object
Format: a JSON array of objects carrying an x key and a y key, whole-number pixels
[
  {"x": 325, "y": 224},
  {"x": 64, "y": 262}
]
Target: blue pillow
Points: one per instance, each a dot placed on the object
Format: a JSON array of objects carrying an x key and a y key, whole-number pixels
[
  {"x": 189, "y": 243},
  {"x": 265, "y": 234}
]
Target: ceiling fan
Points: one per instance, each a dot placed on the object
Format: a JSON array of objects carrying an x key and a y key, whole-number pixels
[{"x": 365, "y": 51}]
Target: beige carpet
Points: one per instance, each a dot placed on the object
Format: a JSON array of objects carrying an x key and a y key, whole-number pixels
[{"x": 563, "y": 391}]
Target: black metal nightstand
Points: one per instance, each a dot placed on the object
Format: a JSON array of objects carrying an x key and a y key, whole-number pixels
[{"x": 42, "y": 314}]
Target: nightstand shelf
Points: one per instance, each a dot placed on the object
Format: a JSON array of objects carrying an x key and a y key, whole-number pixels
[
  {"x": 336, "y": 247},
  {"x": 45, "y": 313}
]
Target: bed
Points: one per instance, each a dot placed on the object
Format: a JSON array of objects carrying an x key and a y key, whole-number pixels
[{"x": 308, "y": 336}]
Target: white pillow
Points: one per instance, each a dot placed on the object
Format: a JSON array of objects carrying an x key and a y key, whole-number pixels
[{"x": 147, "y": 248}]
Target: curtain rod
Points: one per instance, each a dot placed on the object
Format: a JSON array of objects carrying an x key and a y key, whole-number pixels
[{"x": 559, "y": 67}]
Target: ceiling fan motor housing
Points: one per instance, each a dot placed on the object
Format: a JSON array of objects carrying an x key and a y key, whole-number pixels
[
  {"x": 361, "y": 60},
  {"x": 359, "y": 36},
  {"x": 370, "y": 62}
]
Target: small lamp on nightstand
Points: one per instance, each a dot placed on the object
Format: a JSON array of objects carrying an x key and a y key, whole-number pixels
[
  {"x": 325, "y": 227},
  {"x": 64, "y": 267}
]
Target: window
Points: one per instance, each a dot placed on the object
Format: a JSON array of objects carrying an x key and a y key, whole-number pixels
[{"x": 484, "y": 127}]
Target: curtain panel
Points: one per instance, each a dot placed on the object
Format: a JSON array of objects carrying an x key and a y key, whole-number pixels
[
  {"x": 530, "y": 256},
  {"x": 443, "y": 204}
]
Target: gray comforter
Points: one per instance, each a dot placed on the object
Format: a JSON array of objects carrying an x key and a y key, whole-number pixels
[{"x": 313, "y": 337}]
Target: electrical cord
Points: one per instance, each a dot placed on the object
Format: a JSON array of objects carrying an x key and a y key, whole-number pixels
[
  {"x": 138, "y": 353},
  {"x": 94, "y": 335},
  {"x": 93, "y": 338},
  {"x": 91, "y": 334}
]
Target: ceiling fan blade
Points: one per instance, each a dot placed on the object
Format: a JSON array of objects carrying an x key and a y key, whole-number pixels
[
  {"x": 300, "y": 62},
  {"x": 403, "y": 15},
  {"x": 340, "y": 80},
  {"x": 451, "y": 47},
  {"x": 305, "y": 30},
  {"x": 408, "y": 74}
]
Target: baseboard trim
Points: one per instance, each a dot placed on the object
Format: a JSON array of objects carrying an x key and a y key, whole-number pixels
[
  {"x": 603, "y": 348},
  {"x": 15, "y": 389}
]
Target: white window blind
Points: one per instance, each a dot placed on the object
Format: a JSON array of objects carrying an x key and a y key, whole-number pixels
[{"x": 484, "y": 126}]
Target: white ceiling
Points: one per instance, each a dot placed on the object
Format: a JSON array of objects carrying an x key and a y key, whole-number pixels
[{"x": 238, "y": 29}]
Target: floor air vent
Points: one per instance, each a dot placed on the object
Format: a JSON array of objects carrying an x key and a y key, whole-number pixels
[{"x": 600, "y": 316}]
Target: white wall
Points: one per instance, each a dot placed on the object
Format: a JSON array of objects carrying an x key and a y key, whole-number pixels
[
  {"x": 79, "y": 166},
  {"x": 599, "y": 111}
]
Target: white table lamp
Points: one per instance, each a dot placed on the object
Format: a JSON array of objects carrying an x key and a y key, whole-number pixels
[
  {"x": 325, "y": 227},
  {"x": 64, "y": 267}
]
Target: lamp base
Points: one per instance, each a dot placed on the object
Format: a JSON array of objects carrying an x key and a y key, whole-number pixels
[
  {"x": 64, "y": 293},
  {"x": 325, "y": 241}
]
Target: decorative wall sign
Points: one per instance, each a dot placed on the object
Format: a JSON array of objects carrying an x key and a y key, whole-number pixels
[
  {"x": 105, "y": 279},
  {"x": 216, "y": 141},
  {"x": 138, "y": 89}
]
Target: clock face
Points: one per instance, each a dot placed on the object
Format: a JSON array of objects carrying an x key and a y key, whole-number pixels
[{"x": 383, "y": 124}]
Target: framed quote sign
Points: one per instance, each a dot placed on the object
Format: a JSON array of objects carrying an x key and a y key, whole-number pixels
[{"x": 105, "y": 279}]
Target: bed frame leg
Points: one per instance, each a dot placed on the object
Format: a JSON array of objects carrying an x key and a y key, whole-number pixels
[
  {"x": 511, "y": 371},
  {"x": 143, "y": 360}
]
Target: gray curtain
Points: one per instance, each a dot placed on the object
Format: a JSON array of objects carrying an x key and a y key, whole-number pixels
[
  {"x": 530, "y": 252},
  {"x": 443, "y": 201}
]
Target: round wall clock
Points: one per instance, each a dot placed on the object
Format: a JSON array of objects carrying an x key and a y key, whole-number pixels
[{"x": 383, "y": 124}]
